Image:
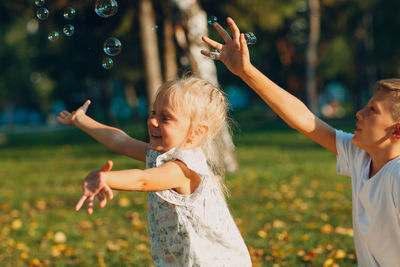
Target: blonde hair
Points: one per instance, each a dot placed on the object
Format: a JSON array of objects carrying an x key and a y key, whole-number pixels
[
  {"x": 393, "y": 87},
  {"x": 205, "y": 104}
]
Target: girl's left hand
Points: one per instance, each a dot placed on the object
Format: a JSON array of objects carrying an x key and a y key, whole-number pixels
[{"x": 94, "y": 185}]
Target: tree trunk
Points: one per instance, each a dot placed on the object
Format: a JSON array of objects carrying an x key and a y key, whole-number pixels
[
  {"x": 315, "y": 17},
  {"x": 151, "y": 58},
  {"x": 194, "y": 20},
  {"x": 170, "y": 64}
]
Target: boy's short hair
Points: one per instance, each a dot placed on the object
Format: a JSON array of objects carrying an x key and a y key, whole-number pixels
[{"x": 393, "y": 87}]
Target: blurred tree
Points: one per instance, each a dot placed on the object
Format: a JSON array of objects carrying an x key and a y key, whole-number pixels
[
  {"x": 357, "y": 45},
  {"x": 312, "y": 55},
  {"x": 148, "y": 37},
  {"x": 194, "y": 21}
]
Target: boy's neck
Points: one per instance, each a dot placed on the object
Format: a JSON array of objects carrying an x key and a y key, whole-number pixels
[{"x": 378, "y": 160}]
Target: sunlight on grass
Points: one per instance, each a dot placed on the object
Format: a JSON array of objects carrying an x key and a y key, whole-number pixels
[{"x": 288, "y": 202}]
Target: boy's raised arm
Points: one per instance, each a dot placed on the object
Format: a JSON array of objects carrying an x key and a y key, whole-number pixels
[
  {"x": 113, "y": 138},
  {"x": 235, "y": 55}
]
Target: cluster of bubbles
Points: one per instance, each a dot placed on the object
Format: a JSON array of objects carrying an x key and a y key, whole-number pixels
[
  {"x": 112, "y": 46},
  {"x": 69, "y": 14},
  {"x": 249, "y": 36},
  {"x": 103, "y": 8}
]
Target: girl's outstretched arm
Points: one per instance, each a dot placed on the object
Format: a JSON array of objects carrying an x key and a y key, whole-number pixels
[
  {"x": 235, "y": 55},
  {"x": 172, "y": 175},
  {"x": 113, "y": 138}
]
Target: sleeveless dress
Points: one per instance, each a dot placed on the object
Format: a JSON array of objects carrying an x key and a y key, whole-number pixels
[{"x": 196, "y": 229}]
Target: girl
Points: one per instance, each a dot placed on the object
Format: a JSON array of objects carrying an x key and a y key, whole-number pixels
[{"x": 189, "y": 221}]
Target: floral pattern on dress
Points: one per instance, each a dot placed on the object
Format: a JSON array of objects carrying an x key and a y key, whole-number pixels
[{"x": 195, "y": 229}]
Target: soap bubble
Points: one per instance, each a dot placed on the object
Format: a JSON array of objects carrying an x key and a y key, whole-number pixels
[
  {"x": 68, "y": 30},
  {"x": 106, "y": 8},
  {"x": 69, "y": 13},
  {"x": 39, "y": 2},
  {"x": 215, "y": 54},
  {"x": 212, "y": 19},
  {"x": 112, "y": 46},
  {"x": 250, "y": 38},
  {"x": 107, "y": 63},
  {"x": 42, "y": 13},
  {"x": 53, "y": 36}
]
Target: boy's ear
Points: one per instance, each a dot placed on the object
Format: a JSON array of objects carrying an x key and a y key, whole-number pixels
[{"x": 396, "y": 133}]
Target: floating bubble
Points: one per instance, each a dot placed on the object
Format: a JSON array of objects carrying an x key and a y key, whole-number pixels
[
  {"x": 69, "y": 13},
  {"x": 39, "y": 2},
  {"x": 42, "y": 13},
  {"x": 112, "y": 46},
  {"x": 155, "y": 28},
  {"x": 68, "y": 30},
  {"x": 212, "y": 19},
  {"x": 107, "y": 63},
  {"x": 106, "y": 8},
  {"x": 250, "y": 38},
  {"x": 53, "y": 36},
  {"x": 215, "y": 54}
]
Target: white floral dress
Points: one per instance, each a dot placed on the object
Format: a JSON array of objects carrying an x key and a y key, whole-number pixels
[{"x": 195, "y": 229}]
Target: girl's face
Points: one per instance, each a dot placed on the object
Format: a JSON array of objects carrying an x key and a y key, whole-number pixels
[{"x": 168, "y": 127}]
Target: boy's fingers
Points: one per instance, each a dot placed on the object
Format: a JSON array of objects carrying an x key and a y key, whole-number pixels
[
  {"x": 80, "y": 203},
  {"x": 234, "y": 28},
  {"x": 222, "y": 32},
  {"x": 243, "y": 45},
  {"x": 212, "y": 43}
]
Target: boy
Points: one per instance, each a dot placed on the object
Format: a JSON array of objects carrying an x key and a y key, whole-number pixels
[{"x": 370, "y": 156}]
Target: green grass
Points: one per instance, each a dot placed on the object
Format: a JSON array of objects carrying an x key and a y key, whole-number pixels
[{"x": 287, "y": 200}]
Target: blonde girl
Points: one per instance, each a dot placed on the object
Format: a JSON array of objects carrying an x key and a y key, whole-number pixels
[{"x": 189, "y": 221}]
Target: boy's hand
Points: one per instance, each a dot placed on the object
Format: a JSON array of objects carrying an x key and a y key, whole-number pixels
[
  {"x": 68, "y": 118},
  {"x": 235, "y": 53},
  {"x": 94, "y": 185}
]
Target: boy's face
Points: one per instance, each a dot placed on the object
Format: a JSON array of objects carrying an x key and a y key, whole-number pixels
[
  {"x": 167, "y": 126},
  {"x": 375, "y": 125}
]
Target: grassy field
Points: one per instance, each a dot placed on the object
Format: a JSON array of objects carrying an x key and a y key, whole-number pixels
[{"x": 287, "y": 200}]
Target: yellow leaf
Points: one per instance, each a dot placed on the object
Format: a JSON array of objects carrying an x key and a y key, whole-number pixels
[
  {"x": 328, "y": 263},
  {"x": 60, "y": 237},
  {"x": 340, "y": 254},
  {"x": 305, "y": 237},
  {"x": 16, "y": 224},
  {"x": 124, "y": 202},
  {"x": 24, "y": 255},
  {"x": 327, "y": 229},
  {"x": 262, "y": 234},
  {"x": 278, "y": 224}
]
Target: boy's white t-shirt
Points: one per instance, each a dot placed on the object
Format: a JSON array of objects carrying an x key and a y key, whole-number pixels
[{"x": 375, "y": 203}]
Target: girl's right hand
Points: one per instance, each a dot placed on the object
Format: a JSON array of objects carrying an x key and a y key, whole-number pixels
[
  {"x": 94, "y": 185},
  {"x": 68, "y": 118},
  {"x": 235, "y": 53}
]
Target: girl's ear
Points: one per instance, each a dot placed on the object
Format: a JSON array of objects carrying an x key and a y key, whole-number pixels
[{"x": 197, "y": 134}]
